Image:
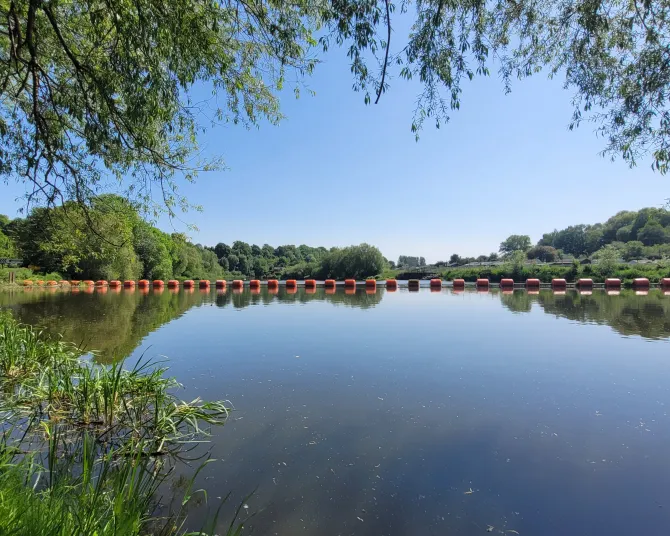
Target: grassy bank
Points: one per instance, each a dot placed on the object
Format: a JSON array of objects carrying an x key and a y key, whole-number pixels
[
  {"x": 85, "y": 447},
  {"x": 545, "y": 273}
]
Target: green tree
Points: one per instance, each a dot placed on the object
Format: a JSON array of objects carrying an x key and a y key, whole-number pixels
[
  {"x": 652, "y": 233},
  {"x": 633, "y": 250},
  {"x": 153, "y": 251},
  {"x": 515, "y": 243},
  {"x": 608, "y": 259},
  {"x": 542, "y": 253},
  {"x": 8, "y": 247},
  {"x": 90, "y": 89},
  {"x": 222, "y": 250},
  {"x": 354, "y": 261}
]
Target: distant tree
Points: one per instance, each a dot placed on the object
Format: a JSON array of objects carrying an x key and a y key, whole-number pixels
[
  {"x": 482, "y": 258},
  {"x": 625, "y": 233},
  {"x": 255, "y": 251},
  {"x": 652, "y": 233},
  {"x": 233, "y": 262},
  {"x": 515, "y": 243},
  {"x": 244, "y": 264},
  {"x": 633, "y": 250},
  {"x": 222, "y": 250},
  {"x": 240, "y": 248},
  {"x": 224, "y": 263},
  {"x": 391, "y": 265},
  {"x": 542, "y": 253},
  {"x": 268, "y": 251},
  {"x": 493, "y": 257},
  {"x": 357, "y": 262},
  {"x": 608, "y": 259},
  {"x": 422, "y": 261},
  {"x": 455, "y": 259}
]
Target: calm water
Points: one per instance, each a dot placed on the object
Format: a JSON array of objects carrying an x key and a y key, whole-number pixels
[{"x": 412, "y": 413}]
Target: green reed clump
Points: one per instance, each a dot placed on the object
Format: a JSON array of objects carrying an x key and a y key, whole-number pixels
[{"x": 85, "y": 447}]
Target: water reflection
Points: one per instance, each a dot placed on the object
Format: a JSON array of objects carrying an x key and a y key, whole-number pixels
[
  {"x": 628, "y": 312},
  {"x": 114, "y": 321},
  {"x": 414, "y": 412}
]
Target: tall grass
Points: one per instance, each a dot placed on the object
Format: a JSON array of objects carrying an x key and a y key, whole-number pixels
[{"x": 85, "y": 447}]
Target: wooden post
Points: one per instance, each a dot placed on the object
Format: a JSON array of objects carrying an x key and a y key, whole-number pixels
[{"x": 11, "y": 277}]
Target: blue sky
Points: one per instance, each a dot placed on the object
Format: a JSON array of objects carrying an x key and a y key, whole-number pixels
[{"x": 337, "y": 172}]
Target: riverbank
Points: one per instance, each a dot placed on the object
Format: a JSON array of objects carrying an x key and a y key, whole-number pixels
[{"x": 94, "y": 443}]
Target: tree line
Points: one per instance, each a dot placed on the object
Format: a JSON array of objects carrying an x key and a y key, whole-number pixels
[
  {"x": 110, "y": 240},
  {"x": 628, "y": 235}
]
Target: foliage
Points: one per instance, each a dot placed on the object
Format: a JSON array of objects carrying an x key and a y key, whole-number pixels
[
  {"x": 90, "y": 90},
  {"x": 93, "y": 91},
  {"x": 109, "y": 240},
  {"x": 651, "y": 226},
  {"x": 547, "y": 272},
  {"x": 405, "y": 261},
  {"x": 543, "y": 253},
  {"x": 91, "y": 441},
  {"x": 515, "y": 243},
  {"x": 608, "y": 259},
  {"x": 612, "y": 56}
]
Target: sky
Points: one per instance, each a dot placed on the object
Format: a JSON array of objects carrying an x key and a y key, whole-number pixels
[{"x": 338, "y": 172}]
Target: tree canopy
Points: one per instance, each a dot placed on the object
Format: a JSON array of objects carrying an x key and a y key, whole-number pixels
[{"x": 98, "y": 93}]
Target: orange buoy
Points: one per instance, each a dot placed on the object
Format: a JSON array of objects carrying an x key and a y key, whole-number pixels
[
  {"x": 482, "y": 283},
  {"x": 273, "y": 284},
  {"x": 220, "y": 283},
  {"x": 64, "y": 283},
  {"x": 436, "y": 283},
  {"x": 89, "y": 283},
  {"x": 291, "y": 283},
  {"x": 310, "y": 283},
  {"x": 40, "y": 282},
  {"x": 330, "y": 283},
  {"x": 52, "y": 283},
  {"x": 75, "y": 282},
  {"x": 413, "y": 285},
  {"x": 101, "y": 283},
  {"x": 641, "y": 283},
  {"x": 173, "y": 283},
  {"x": 507, "y": 283},
  {"x": 158, "y": 283},
  {"x": 254, "y": 283},
  {"x": 371, "y": 284},
  {"x": 349, "y": 283},
  {"x": 114, "y": 283},
  {"x": 391, "y": 284},
  {"x": 203, "y": 283},
  {"x": 189, "y": 283},
  {"x": 584, "y": 283},
  {"x": 559, "y": 284},
  {"x": 27, "y": 283},
  {"x": 129, "y": 284},
  {"x": 612, "y": 283},
  {"x": 459, "y": 284},
  {"x": 533, "y": 283},
  {"x": 238, "y": 283},
  {"x": 665, "y": 282},
  {"x": 143, "y": 283}
]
